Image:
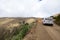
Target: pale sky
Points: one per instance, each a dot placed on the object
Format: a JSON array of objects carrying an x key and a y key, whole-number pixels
[{"x": 29, "y": 8}]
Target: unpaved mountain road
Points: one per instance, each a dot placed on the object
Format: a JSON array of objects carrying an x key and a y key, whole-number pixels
[{"x": 43, "y": 32}]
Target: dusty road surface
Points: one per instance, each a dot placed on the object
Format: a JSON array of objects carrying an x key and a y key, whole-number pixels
[{"x": 42, "y": 32}]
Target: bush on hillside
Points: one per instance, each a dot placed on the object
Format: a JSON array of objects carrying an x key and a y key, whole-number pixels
[{"x": 57, "y": 19}]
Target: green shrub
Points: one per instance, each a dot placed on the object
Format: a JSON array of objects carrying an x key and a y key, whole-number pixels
[
  {"x": 22, "y": 32},
  {"x": 18, "y": 33},
  {"x": 57, "y": 19}
]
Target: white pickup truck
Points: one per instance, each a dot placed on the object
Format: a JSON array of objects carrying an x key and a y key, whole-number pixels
[{"x": 48, "y": 21}]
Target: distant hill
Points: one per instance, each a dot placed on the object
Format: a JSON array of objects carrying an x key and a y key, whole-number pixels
[{"x": 55, "y": 15}]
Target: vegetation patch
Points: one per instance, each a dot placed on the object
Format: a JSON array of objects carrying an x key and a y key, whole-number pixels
[
  {"x": 57, "y": 20},
  {"x": 18, "y": 33},
  {"x": 23, "y": 31}
]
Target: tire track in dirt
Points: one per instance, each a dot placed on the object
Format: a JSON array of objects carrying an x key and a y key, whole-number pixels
[{"x": 52, "y": 32}]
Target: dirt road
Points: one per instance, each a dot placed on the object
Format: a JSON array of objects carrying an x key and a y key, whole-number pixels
[{"x": 42, "y": 32}]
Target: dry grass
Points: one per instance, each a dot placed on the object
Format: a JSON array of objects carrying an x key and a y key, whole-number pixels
[
  {"x": 29, "y": 21},
  {"x": 5, "y": 21},
  {"x": 9, "y": 26}
]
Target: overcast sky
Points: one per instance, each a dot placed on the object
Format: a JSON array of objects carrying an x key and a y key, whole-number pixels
[{"x": 29, "y": 8}]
